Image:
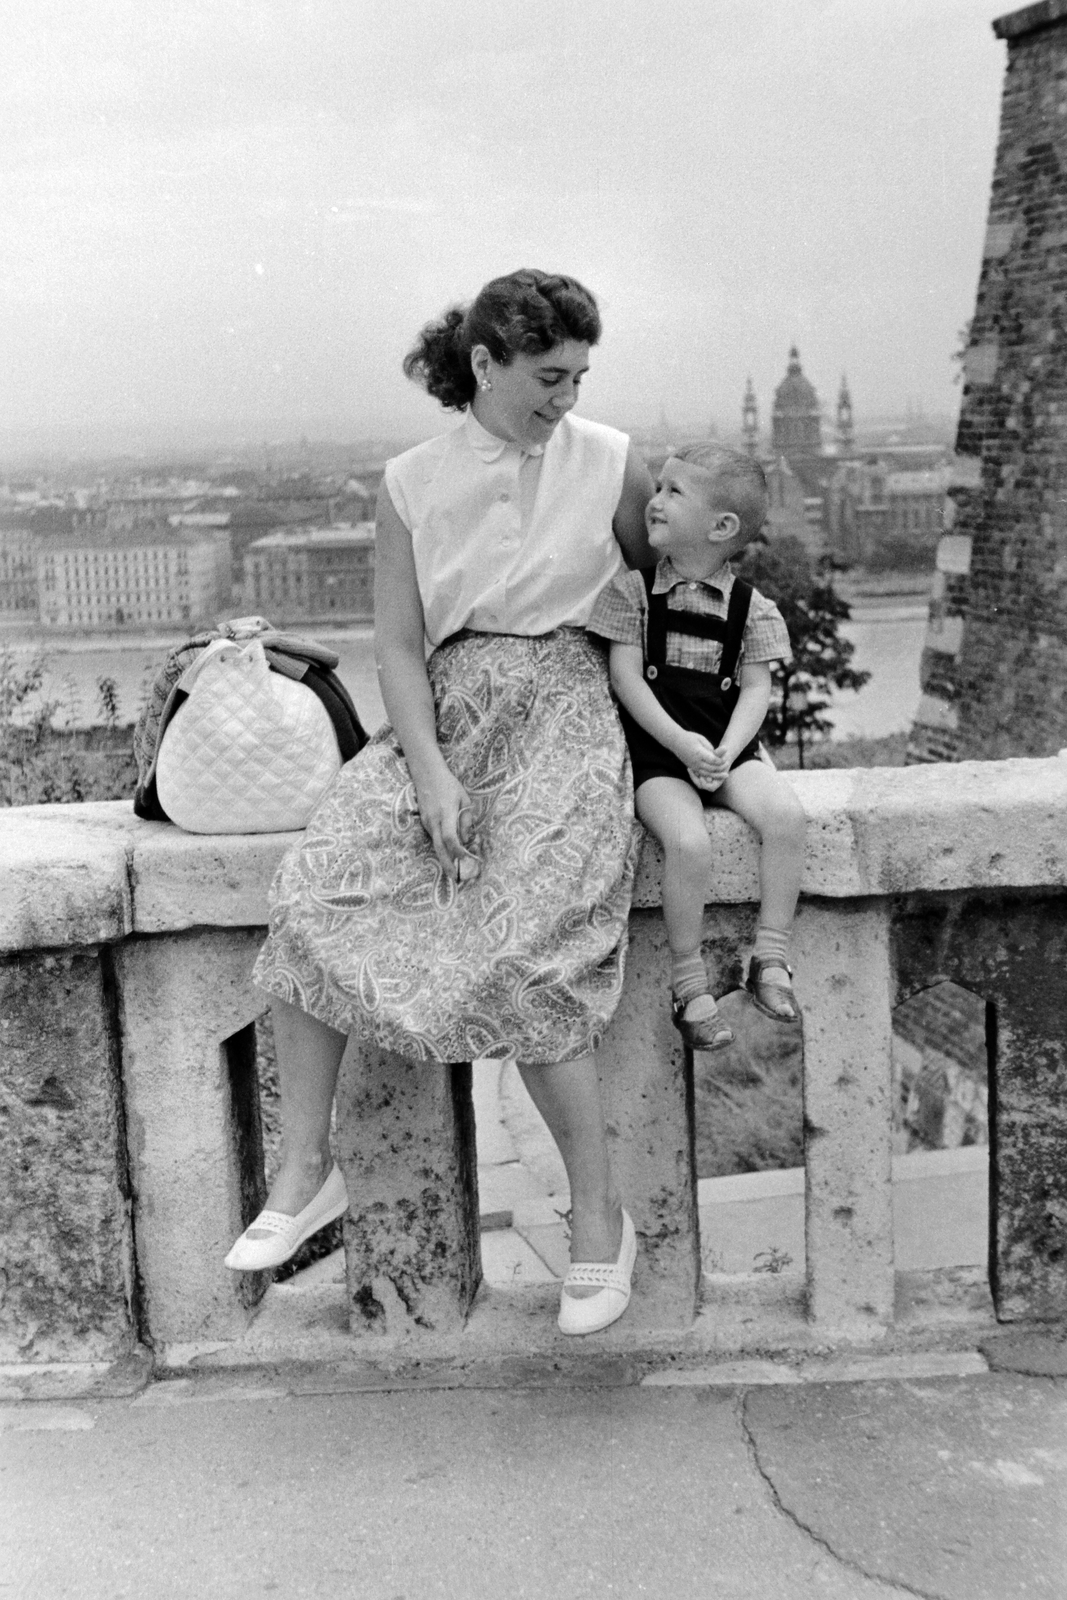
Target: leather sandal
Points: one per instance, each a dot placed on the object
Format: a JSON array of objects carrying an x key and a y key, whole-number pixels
[
  {"x": 703, "y": 1033},
  {"x": 764, "y": 994},
  {"x": 612, "y": 1278},
  {"x": 286, "y": 1234}
]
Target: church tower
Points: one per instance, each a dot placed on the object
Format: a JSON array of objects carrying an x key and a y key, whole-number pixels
[
  {"x": 845, "y": 436},
  {"x": 750, "y": 419}
]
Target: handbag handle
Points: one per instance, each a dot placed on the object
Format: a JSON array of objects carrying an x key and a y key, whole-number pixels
[{"x": 225, "y": 649}]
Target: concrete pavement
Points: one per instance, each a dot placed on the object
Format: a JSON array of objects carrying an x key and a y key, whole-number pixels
[{"x": 268, "y": 1483}]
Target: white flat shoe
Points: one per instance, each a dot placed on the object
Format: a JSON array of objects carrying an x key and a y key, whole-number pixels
[
  {"x": 611, "y": 1278},
  {"x": 287, "y": 1234}
]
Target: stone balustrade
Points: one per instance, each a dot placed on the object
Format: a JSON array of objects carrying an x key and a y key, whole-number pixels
[{"x": 130, "y": 1145}]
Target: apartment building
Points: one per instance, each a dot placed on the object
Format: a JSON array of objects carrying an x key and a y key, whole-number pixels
[
  {"x": 148, "y": 575},
  {"x": 312, "y": 574},
  {"x": 881, "y": 511},
  {"x": 18, "y": 575}
]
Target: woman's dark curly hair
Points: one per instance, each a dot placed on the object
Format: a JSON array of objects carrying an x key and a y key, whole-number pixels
[{"x": 528, "y": 312}]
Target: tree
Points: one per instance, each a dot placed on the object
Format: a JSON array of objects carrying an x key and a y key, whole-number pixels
[
  {"x": 813, "y": 611},
  {"x": 107, "y": 692}
]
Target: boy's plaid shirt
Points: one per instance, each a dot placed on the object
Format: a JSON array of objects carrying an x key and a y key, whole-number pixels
[{"x": 622, "y": 606}]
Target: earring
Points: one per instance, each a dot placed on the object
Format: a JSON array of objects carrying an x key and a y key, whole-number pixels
[{"x": 485, "y": 385}]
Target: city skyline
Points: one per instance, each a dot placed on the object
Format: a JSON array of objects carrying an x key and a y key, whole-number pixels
[{"x": 230, "y": 222}]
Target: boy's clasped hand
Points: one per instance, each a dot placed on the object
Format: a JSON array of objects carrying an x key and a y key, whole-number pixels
[{"x": 706, "y": 765}]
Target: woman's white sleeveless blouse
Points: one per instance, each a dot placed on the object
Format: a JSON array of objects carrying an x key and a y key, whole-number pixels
[{"x": 508, "y": 540}]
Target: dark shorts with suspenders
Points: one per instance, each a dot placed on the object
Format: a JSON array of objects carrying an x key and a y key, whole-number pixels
[{"x": 703, "y": 702}]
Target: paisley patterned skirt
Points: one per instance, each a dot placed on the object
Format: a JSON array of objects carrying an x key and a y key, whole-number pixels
[{"x": 526, "y": 960}]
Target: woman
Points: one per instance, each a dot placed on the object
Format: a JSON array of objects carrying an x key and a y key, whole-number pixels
[{"x": 464, "y": 889}]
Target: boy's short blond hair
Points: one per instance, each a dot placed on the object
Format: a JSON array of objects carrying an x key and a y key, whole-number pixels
[{"x": 737, "y": 484}]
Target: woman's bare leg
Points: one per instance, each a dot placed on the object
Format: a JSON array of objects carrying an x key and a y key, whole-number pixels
[
  {"x": 567, "y": 1094},
  {"x": 309, "y": 1058}
]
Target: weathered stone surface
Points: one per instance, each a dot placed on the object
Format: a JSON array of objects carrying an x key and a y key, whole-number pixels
[
  {"x": 63, "y": 876},
  {"x": 45, "y": 1381},
  {"x": 891, "y": 830},
  {"x": 976, "y": 824},
  {"x": 182, "y": 998},
  {"x": 65, "y": 1244},
  {"x": 405, "y": 1141},
  {"x": 1042, "y": 1355},
  {"x": 843, "y": 978},
  {"x": 888, "y": 834},
  {"x": 646, "y": 1083},
  {"x": 1005, "y": 686},
  {"x": 1011, "y": 950},
  {"x": 186, "y": 880},
  {"x": 85, "y": 874},
  {"x": 81, "y": 873}
]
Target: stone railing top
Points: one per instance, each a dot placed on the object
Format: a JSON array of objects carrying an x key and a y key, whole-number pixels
[
  {"x": 88, "y": 874},
  {"x": 894, "y": 830}
]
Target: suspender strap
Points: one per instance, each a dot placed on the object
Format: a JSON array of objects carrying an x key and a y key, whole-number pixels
[
  {"x": 730, "y": 631},
  {"x": 736, "y": 618},
  {"x": 661, "y": 621},
  {"x": 656, "y": 626}
]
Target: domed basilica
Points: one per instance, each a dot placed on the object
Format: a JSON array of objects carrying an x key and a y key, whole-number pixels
[{"x": 798, "y": 466}]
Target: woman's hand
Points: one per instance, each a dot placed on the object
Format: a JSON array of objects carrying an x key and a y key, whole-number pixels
[{"x": 447, "y": 814}]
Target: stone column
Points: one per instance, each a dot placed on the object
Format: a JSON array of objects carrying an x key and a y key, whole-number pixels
[
  {"x": 1028, "y": 1166},
  {"x": 66, "y": 1262},
  {"x": 405, "y": 1141},
  {"x": 647, "y": 1085},
  {"x": 843, "y": 975},
  {"x": 192, "y": 1110},
  {"x": 1011, "y": 948}
]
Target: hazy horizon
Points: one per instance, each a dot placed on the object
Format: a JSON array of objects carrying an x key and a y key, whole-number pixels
[
  {"x": 206, "y": 443},
  {"x": 230, "y": 220}
]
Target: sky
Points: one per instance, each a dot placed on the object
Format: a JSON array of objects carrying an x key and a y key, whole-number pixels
[{"x": 230, "y": 217}]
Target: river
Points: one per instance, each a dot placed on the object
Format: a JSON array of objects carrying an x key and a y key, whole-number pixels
[
  {"x": 889, "y": 644},
  {"x": 888, "y": 641}
]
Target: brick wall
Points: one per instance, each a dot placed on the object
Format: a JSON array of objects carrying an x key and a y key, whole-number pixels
[{"x": 994, "y": 671}]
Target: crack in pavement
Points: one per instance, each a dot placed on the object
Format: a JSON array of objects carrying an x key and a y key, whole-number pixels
[{"x": 892, "y": 1586}]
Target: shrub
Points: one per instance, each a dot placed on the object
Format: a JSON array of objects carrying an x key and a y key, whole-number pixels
[{"x": 44, "y": 765}]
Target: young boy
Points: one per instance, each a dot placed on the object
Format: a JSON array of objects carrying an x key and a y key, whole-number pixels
[{"x": 691, "y": 648}]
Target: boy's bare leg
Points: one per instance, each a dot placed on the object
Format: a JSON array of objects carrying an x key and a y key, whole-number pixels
[
  {"x": 763, "y": 799},
  {"x": 673, "y": 811}
]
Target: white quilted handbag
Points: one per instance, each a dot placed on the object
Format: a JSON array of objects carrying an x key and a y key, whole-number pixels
[{"x": 250, "y": 751}]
